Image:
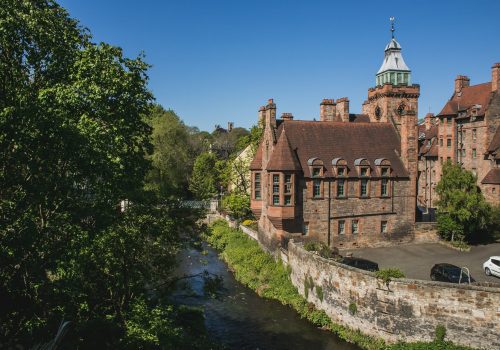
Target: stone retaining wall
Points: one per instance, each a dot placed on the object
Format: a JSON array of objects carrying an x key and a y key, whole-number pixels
[{"x": 406, "y": 310}]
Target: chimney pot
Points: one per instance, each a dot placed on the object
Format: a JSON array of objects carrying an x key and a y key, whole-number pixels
[{"x": 287, "y": 116}]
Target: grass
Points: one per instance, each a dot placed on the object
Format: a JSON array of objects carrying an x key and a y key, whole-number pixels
[{"x": 270, "y": 279}]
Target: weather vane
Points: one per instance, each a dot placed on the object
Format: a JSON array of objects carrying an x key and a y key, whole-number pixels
[{"x": 392, "y": 19}]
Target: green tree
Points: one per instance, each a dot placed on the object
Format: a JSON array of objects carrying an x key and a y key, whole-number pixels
[
  {"x": 171, "y": 159},
  {"x": 73, "y": 143},
  {"x": 204, "y": 179},
  {"x": 238, "y": 204},
  {"x": 462, "y": 210}
]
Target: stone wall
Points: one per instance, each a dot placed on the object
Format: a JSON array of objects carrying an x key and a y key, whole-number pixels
[{"x": 406, "y": 310}]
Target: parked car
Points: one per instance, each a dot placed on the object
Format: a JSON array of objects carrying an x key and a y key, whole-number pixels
[
  {"x": 359, "y": 263},
  {"x": 444, "y": 272},
  {"x": 492, "y": 266}
]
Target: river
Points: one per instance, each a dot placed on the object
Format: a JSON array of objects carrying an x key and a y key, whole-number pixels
[{"x": 240, "y": 319}]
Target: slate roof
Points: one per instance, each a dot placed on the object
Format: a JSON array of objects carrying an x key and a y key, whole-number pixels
[
  {"x": 256, "y": 163},
  {"x": 359, "y": 118},
  {"x": 493, "y": 177},
  {"x": 283, "y": 157},
  {"x": 469, "y": 96},
  {"x": 494, "y": 146},
  {"x": 350, "y": 141},
  {"x": 428, "y": 143}
]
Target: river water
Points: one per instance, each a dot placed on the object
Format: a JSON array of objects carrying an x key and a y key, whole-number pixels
[{"x": 240, "y": 319}]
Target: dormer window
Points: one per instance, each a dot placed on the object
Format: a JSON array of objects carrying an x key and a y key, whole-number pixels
[
  {"x": 316, "y": 172},
  {"x": 364, "y": 172},
  {"x": 340, "y": 169}
]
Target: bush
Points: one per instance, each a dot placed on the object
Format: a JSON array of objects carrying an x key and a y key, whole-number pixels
[
  {"x": 321, "y": 248},
  {"x": 387, "y": 275},
  {"x": 440, "y": 333},
  {"x": 353, "y": 308},
  {"x": 248, "y": 222}
]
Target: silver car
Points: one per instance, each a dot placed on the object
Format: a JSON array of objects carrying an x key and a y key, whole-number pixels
[{"x": 492, "y": 266}]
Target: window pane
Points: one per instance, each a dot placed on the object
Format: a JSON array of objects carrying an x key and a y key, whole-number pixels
[
  {"x": 276, "y": 179},
  {"x": 257, "y": 176},
  {"x": 385, "y": 171},
  {"x": 316, "y": 172},
  {"x": 364, "y": 187},
  {"x": 383, "y": 226},
  {"x": 288, "y": 178},
  {"x": 354, "y": 226},
  {"x": 341, "y": 172},
  {"x": 288, "y": 200},
  {"x": 276, "y": 200},
  {"x": 364, "y": 171},
  {"x": 384, "y": 187},
  {"x": 276, "y": 188},
  {"x": 257, "y": 194},
  {"x": 341, "y": 227},
  {"x": 340, "y": 188},
  {"x": 316, "y": 188},
  {"x": 288, "y": 188}
]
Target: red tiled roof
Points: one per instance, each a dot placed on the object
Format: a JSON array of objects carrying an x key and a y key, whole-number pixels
[
  {"x": 469, "y": 96},
  {"x": 283, "y": 157},
  {"x": 256, "y": 163},
  {"x": 350, "y": 141},
  {"x": 493, "y": 177}
]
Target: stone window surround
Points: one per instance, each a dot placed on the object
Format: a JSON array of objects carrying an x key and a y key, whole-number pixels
[
  {"x": 382, "y": 226},
  {"x": 348, "y": 226},
  {"x": 254, "y": 185},
  {"x": 316, "y": 164},
  {"x": 281, "y": 193}
]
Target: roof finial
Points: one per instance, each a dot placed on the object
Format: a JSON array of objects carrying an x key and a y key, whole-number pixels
[{"x": 392, "y": 19}]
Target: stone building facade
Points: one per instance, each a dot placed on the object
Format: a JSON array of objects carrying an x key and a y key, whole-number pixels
[
  {"x": 467, "y": 132},
  {"x": 348, "y": 180}
]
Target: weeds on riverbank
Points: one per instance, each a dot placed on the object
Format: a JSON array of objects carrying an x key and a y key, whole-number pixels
[{"x": 270, "y": 279}]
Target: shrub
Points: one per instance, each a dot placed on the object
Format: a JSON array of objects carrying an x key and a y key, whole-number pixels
[
  {"x": 321, "y": 248},
  {"x": 353, "y": 308},
  {"x": 319, "y": 292},
  {"x": 248, "y": 222},
  {"x": 440, "y": 333},
  {"x": 387, "y": 275}
]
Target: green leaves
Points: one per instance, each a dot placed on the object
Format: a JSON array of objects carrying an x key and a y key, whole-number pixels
[
  {"x": 463, "y": 211},
  {"x": 204, "y": 179}
]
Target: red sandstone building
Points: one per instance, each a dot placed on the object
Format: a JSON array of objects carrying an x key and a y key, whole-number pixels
[
  {"x": 348, "y": 179},
  {"x": 467, "y": 132}
]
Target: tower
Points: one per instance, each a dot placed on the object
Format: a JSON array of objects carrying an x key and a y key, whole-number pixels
[
  {"x": 393, "y": 94},
  {"x": 394, "y": 99}
]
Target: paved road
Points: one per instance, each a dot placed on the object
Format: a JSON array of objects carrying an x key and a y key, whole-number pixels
[{"x": 417, "y": 260}]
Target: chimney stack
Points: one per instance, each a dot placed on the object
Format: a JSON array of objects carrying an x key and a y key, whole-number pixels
[
  {"x": 495, "y": 77},
  {"x": 287, "y": 116},
  {"x": 262, "y": 115},
  {"x": 270, "y": 113},
  {"x": 230, "y": 126},
  {"x": 343, "y": 109},
  {"x": 460, "y": 82},
  {"x": 327, "y": 110},
  {"x": 429, "y": 121}
]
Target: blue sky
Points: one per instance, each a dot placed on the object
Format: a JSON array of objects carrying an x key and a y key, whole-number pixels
[{"x": 215, "y": 61}]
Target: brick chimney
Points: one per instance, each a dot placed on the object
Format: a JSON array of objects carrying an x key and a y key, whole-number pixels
[
  {"x": 327, "y": 110},
  {"x": 460, "y": 82},
  {"x": 429, "y": 120},
  {"x": 495, "y": 77},
  {"x": 287, "y": 116},
  {"x": 270, "y": 113},
  {"x": 343, "y": 109},
  {"x": 262, "y": 115}
]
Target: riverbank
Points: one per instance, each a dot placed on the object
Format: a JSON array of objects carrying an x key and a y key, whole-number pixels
[{"x": 270, "y": 279}]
